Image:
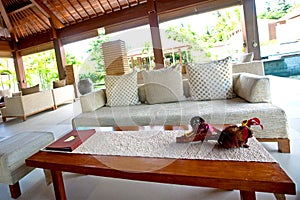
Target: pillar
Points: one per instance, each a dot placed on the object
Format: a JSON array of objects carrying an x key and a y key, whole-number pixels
[
  {"x": 19, "y": 67},
  {"x": 59, "y": 54},
  {"x": 155, "y": 35},
  {"x": 250, "y": 29}
]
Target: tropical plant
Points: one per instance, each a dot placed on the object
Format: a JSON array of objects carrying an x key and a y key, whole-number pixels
[
  {"x": 5, "y": 71},
  {"x": 227, "y": 21},
  {"x": 96, "y": 56},
  {"x": 185, "y": 35},
  {"x": 96, "y": 51},
  {"x": 146, "y": 51},
  {"x": 96, "y": 77},
  {"x": 41, "y": 69},
  {"x": 275, "y": 10},
  {"x": 71, "y": 59}
]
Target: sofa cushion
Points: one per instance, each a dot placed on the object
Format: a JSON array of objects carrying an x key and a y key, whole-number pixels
[
  {"x": 30, "y": 90},
  {"x": 122, "y": 90},
  {"x": 209, "y": 81},
  {"x": 60, "y": 83},
  {"x": 228, "y": 111},
  {"x": 260, "y": 87},
  {"x": 163, "y": 85}
]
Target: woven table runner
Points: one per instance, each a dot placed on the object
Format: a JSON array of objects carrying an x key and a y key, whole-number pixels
[{"x": 162, "y": 144}]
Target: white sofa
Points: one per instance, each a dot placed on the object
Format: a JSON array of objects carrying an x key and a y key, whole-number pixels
[
  {"x": 63, "y": 95},
  {"x": 25, "y": 105},
  {"x": 253, "y": 99}
]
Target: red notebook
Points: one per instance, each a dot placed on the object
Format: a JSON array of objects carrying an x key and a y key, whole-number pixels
[{"x": 71, "y": 140}]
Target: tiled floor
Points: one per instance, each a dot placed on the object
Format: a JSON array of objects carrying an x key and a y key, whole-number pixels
[{"x": 286, "y": 94}]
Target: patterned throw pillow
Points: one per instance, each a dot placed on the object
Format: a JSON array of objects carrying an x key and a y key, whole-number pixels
[
  {"x": 163, "y": 85},
  {"x": 211, "y": 80},
  {"x": 122, "y": 90}
]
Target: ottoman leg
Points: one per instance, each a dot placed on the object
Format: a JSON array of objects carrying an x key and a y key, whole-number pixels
[{"x": 15, "y": 190}]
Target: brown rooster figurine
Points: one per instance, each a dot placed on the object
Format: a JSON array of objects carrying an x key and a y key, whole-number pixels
[{"x": 237, "y": 136}]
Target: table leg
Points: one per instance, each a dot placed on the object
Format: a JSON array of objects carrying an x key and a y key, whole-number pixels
[
  {"x": 58, "y": 184},
  {"x": 279, "y": 196},
  {"x": 246, "y": 195},
  {"x": 15, "y": 190}
]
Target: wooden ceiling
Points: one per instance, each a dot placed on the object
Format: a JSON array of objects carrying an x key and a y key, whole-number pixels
[{"x": 32, "y": 23}]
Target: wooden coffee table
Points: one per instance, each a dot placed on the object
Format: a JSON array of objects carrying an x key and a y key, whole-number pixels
[{"x": 248, "y": 177}]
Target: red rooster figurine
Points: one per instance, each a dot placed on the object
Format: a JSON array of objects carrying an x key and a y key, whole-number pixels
[
  {"x": 201, "y": 131},
  {"x": 237, "y": 136}
]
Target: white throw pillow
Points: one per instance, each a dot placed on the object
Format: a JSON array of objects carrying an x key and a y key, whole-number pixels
[
  {"x": 122, "y": 90},
  {"x": 247, "y": 57},
  {"x": 211, "y": 80},
  {"x": 163, "y": 85}
]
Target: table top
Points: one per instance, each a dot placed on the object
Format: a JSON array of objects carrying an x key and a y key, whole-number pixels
[{"x": 247, "y": 176}]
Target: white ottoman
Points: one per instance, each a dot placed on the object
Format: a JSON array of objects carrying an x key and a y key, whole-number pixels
[{"x": 13, "y": 152}]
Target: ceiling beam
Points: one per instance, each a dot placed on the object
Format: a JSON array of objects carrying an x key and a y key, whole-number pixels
[
  {"x": 167, "y": 6},
  {"x": 41, "y": 40},
  {"x": 6, "y": 18},
  {"x": 35, "y": 40},
  {"x": 130, "y": 14},
  {"x": 7, "y": 22},
  {"x": 131, "y": 17},
  {"x": 201, "y": 7},
  {"x": 45, "y": 10}
]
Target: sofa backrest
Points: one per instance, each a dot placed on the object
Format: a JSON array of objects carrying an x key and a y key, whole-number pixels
[
  {"x": 93, "y": 100},
  {"x": 254, "y": 67},
  {"x": 63, "y": 94},
  {"x": 186, "y": 89},
  {"x": 37, "y": 102}
]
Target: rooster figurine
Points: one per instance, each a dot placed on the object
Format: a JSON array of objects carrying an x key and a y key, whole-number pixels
[
  {"x": 201, "y": 131},
  {"x": 237, "y": 136}
]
